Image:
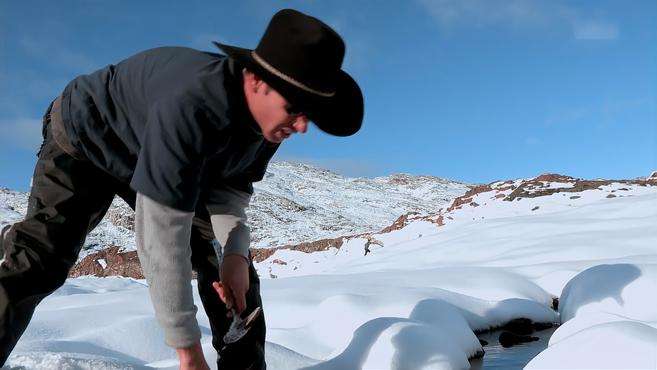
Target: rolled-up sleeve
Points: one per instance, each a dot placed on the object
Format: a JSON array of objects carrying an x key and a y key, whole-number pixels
[
  {"x": 227, "y": 208},
  {"x": 163, "y": 236}
]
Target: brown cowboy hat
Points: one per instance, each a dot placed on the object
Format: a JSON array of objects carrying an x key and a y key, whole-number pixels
[{"x": 301, "y": 58}]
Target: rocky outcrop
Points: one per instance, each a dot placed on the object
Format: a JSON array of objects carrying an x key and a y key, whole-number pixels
[
  {"x": 467, "y": 197},
  {"x": 123, "y": 219},
  {"x": 536, "y": 187},
  {"x": 109, "y": 262},
  {"x": 399, "y": 223},
  {"x": 261, "y": 254}
]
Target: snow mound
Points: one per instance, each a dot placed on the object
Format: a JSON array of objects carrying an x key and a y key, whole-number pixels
[
  {"x": 610, "y": 320},
  {"x": 612, "y": 345},
  {"x": 69, "y": 361},
  {"x": 618, "y": 289}
]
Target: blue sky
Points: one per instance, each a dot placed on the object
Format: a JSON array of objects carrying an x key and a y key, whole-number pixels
[{"x": 472, "y": 90}]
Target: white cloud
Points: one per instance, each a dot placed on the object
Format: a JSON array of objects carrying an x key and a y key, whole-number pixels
[
  {"x": 481, "y": 13},
  {"x": 521, "y": 15},
  {"x": 23, "y": 133},
  {"x": 595, "y": 30}
]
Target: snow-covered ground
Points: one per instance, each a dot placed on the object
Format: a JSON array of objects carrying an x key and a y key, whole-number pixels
[
  {"x": 415, "y": 302},
  {"x": 614, "y": 302}
]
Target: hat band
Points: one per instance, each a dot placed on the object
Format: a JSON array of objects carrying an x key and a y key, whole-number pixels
[{"x": 287, "y": 78}]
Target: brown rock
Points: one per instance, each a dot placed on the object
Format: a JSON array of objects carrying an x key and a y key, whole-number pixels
[
  {"x": 553, "y": 177},
  {"x": 261, "y": 254},
  {"x": 399, "y": 223},
  {"x": 467, "y": 197},
  {"x": 118, "y": 263}
]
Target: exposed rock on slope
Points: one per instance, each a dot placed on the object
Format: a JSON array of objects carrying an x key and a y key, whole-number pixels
[{"x": 108, "y": 262}]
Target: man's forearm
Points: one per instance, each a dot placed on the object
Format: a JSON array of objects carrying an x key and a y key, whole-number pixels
[
  {"x": 232, "y": 234},
  {"x": 229, "y": 222},
  {"x": 163, "y": 237}
]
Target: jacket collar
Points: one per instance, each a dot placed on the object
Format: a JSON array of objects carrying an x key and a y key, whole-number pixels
[{"x": 239, "y": 112}]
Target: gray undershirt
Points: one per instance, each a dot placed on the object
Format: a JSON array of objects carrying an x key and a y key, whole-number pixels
[{"x": 163, "y": 245}]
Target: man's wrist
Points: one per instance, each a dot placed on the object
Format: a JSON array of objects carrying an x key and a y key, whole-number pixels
[
  {"x": 190, "y": 352},
  {"x": 244, "y": 258}
]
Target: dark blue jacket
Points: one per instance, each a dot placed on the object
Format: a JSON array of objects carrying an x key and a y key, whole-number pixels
[{"x": 172, "y": 122}]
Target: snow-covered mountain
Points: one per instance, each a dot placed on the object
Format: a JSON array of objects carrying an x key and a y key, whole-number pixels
[
  {"x": 298, "y": 203},
  {"x": 294, "y": 203}
]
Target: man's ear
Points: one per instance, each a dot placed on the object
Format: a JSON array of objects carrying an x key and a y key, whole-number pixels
[{"x": 251, "y": 80}]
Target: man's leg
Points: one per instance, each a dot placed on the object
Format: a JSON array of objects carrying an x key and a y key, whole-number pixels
[
  {"x": 248, "y": 352},
  {"x": 68, "y": 198}
]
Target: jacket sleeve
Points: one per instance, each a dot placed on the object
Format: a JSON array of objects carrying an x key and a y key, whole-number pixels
[
  {"x": 163, "y": 236},
  {"x": 227, "y": 206}
]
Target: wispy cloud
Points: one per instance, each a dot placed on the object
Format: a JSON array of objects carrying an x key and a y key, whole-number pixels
[
  {"x": 521, "y": 15},
  {"x": 481, "y": 13},
  {"x": 22, "y": 133},
  {"x": 595, "y": 30},
  {"x": 603, "y": 113}
]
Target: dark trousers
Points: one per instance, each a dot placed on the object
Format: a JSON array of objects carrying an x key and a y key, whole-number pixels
[{"x": 68, "y": 198}]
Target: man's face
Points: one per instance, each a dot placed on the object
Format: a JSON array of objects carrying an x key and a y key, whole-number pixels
[{"x": 271, "y": 111}]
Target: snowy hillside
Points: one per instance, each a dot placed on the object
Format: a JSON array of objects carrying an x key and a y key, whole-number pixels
[
  {"x": 294, "y": 203},
  {"x": 502, "y": 251},
  {"x": 297, "y": 202}
]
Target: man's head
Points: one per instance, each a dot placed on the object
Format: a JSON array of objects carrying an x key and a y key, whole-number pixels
[
  {"x": 298, "y": 63},
  {"x": 276, "y": 117}
]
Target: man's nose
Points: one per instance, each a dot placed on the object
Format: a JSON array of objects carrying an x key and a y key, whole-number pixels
[{"x": 301, "y": 124}]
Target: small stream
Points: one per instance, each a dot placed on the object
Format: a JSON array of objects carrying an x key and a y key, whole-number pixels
[{"x": 513, "y": 358}]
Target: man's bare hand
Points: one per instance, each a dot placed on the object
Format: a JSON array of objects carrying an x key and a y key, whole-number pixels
[
  {"x": 234, "y": 282},
  {"x": 192, "y": 358}
]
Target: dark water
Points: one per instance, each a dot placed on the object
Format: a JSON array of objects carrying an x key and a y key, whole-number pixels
[{"x": 514, "y": 358}]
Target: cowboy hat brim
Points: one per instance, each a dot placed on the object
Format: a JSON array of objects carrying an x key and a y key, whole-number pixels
[{"x": 340, "y": 114}]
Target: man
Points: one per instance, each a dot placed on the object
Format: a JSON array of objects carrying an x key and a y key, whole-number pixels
[
  {"x": 371, "y": 240},
  {"x": 181, "y": 135}
]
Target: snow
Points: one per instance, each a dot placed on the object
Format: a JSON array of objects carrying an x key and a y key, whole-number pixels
[
  {"x": 413, "y": 303},
  {"x": 610, "y": 320}
]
